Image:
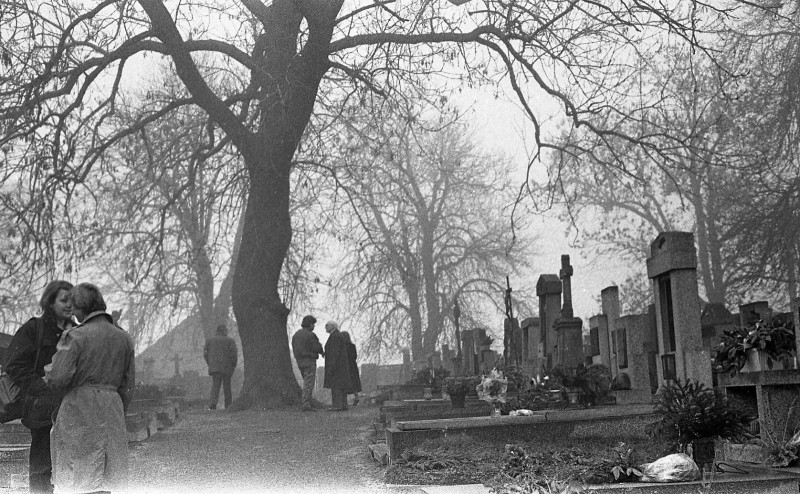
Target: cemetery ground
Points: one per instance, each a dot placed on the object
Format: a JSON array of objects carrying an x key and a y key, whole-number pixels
[{"x": 283, "y": 450}]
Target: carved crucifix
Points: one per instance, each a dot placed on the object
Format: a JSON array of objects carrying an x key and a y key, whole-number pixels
[{"x": 565, "y": 274}]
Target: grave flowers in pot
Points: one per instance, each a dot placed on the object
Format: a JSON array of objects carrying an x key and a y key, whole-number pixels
[
  {"x": 492, "y": 389},
  {"x": 693, "y": 416},
  {"x": 759, "y": 346},
  {"x": 458, "y": 388}
]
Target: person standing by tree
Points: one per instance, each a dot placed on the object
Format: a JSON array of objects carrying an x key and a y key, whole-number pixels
[
  {"x": 337, "y": 369},
  {"x": 221, "y": 356},
  {"x": 27, "y": 373},
  {"x": 352, "y": 362},
  {"x": 306, "y": 348},
  {"x": 95, "y": 366}
]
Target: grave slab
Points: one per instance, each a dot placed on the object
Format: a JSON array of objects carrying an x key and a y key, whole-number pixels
[{"x": 408, "y": 434}]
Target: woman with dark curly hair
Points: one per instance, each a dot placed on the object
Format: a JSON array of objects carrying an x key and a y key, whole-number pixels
[{"x": 27, "y": 372}]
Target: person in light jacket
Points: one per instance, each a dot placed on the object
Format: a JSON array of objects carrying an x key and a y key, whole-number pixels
[
  {"x": 94, "y": 365},
  {"x": 221, "y": 356}
]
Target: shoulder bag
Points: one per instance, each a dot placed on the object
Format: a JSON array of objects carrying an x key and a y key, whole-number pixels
[{"x": 12, "y": 399}]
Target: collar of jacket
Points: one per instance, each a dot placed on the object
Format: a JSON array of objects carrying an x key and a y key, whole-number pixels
[{"x": 97, "y": 314}]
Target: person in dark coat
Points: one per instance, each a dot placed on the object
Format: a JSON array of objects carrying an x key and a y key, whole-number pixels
[
  {"x": 306, "y": 349},
  {"x": 56, "y": 318},
  {"x": 221, "y": 356},
  {"x": 352, "y": 361},
  {"x": 337, "y": 369}
]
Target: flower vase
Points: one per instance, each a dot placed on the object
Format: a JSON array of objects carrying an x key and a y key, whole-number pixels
[{"x": 495, "y": 410}]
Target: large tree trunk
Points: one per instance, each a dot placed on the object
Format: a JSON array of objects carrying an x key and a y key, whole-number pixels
[
  {"x": 260, "y": 313},
  {"x": 291, "y": 85}
]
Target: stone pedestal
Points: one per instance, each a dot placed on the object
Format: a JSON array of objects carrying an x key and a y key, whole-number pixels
[
  {"x": 673, "y": 267},
  {"x": 569, "y": 333}
]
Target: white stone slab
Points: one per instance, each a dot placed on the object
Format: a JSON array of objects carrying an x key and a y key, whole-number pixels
[{"x": 455, "y": 489}]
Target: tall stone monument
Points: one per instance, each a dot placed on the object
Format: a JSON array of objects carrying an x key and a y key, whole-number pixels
[
  {"x": 568, "y": 328},
  {"x": 673, "y": 268},
  {"x": 548, "y": 289},
  {"x": 609, "y": 305}
]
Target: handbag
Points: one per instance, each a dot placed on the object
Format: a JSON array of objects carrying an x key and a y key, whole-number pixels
[{"x": 13, "y": 402}]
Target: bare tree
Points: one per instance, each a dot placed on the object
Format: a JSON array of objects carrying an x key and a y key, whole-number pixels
[
  {"x": 429, "y": 227},
  {"x": 67, "y": 65},
  {"x": 623, "y": 200}
]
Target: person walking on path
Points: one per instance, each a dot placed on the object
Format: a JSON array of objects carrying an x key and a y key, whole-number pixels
[
  {"x": 352, "y": 362},
  {"x": 94, "y": 365},
  {"x": 337, "y": 369},
  {"x": 27, "y": 372},
  {"x": 306, "y": 348},
  {"x": 221, "y": 356}
]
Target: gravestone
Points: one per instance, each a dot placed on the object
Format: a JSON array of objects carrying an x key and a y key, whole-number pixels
[
  {"x": 407, "y": 371},
  {"x": 568, "y": 328},
  {"x": 532, "y": 349},
  {"x": 548, "y": 289},
  {"x": 609, "y": 306},
  {"x": 470, "y": 358},
  {"x": 632, "y": 333},
  {"x": 715, "y": 319},
  {"x": 673, "y": 268},
  {"x": 599, "y": 343},
  {"x": 369, "y": 377},
  {"x": 751, "y": 312},
  {"x": 176, "y": 359}
]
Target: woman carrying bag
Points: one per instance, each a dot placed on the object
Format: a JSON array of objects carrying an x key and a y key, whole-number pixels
[{"x": 25, "y": 365}]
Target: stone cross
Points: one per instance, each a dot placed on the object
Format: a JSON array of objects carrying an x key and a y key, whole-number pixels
[
  {"x": 565, "y": 274},
  {"x": 177, "y": 361}
]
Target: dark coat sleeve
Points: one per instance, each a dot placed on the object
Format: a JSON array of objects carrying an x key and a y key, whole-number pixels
[
  {"x": 352, "y": 361},
  {"x": 21, "y": 358}
]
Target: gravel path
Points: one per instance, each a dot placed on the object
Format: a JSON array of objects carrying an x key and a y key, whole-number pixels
[{"x": 260, "y": 451}]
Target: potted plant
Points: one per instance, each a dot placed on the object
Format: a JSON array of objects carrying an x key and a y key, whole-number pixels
[
  {"x": 756, "y": 347},
  {"x": 693, "y": 415},
  {"x": 458, "y": 388}
]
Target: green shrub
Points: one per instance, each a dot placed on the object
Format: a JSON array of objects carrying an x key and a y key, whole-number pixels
[{"x": 690, "y": 411}]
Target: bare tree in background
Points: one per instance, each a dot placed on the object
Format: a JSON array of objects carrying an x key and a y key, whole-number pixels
[{"x": 429, "y": 227}]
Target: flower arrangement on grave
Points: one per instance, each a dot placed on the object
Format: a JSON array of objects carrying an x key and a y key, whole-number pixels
[
  {"x": 492, "y": 387},
  {"x": 517, "y": 380},
  {"x": 775, "y": 339}
]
